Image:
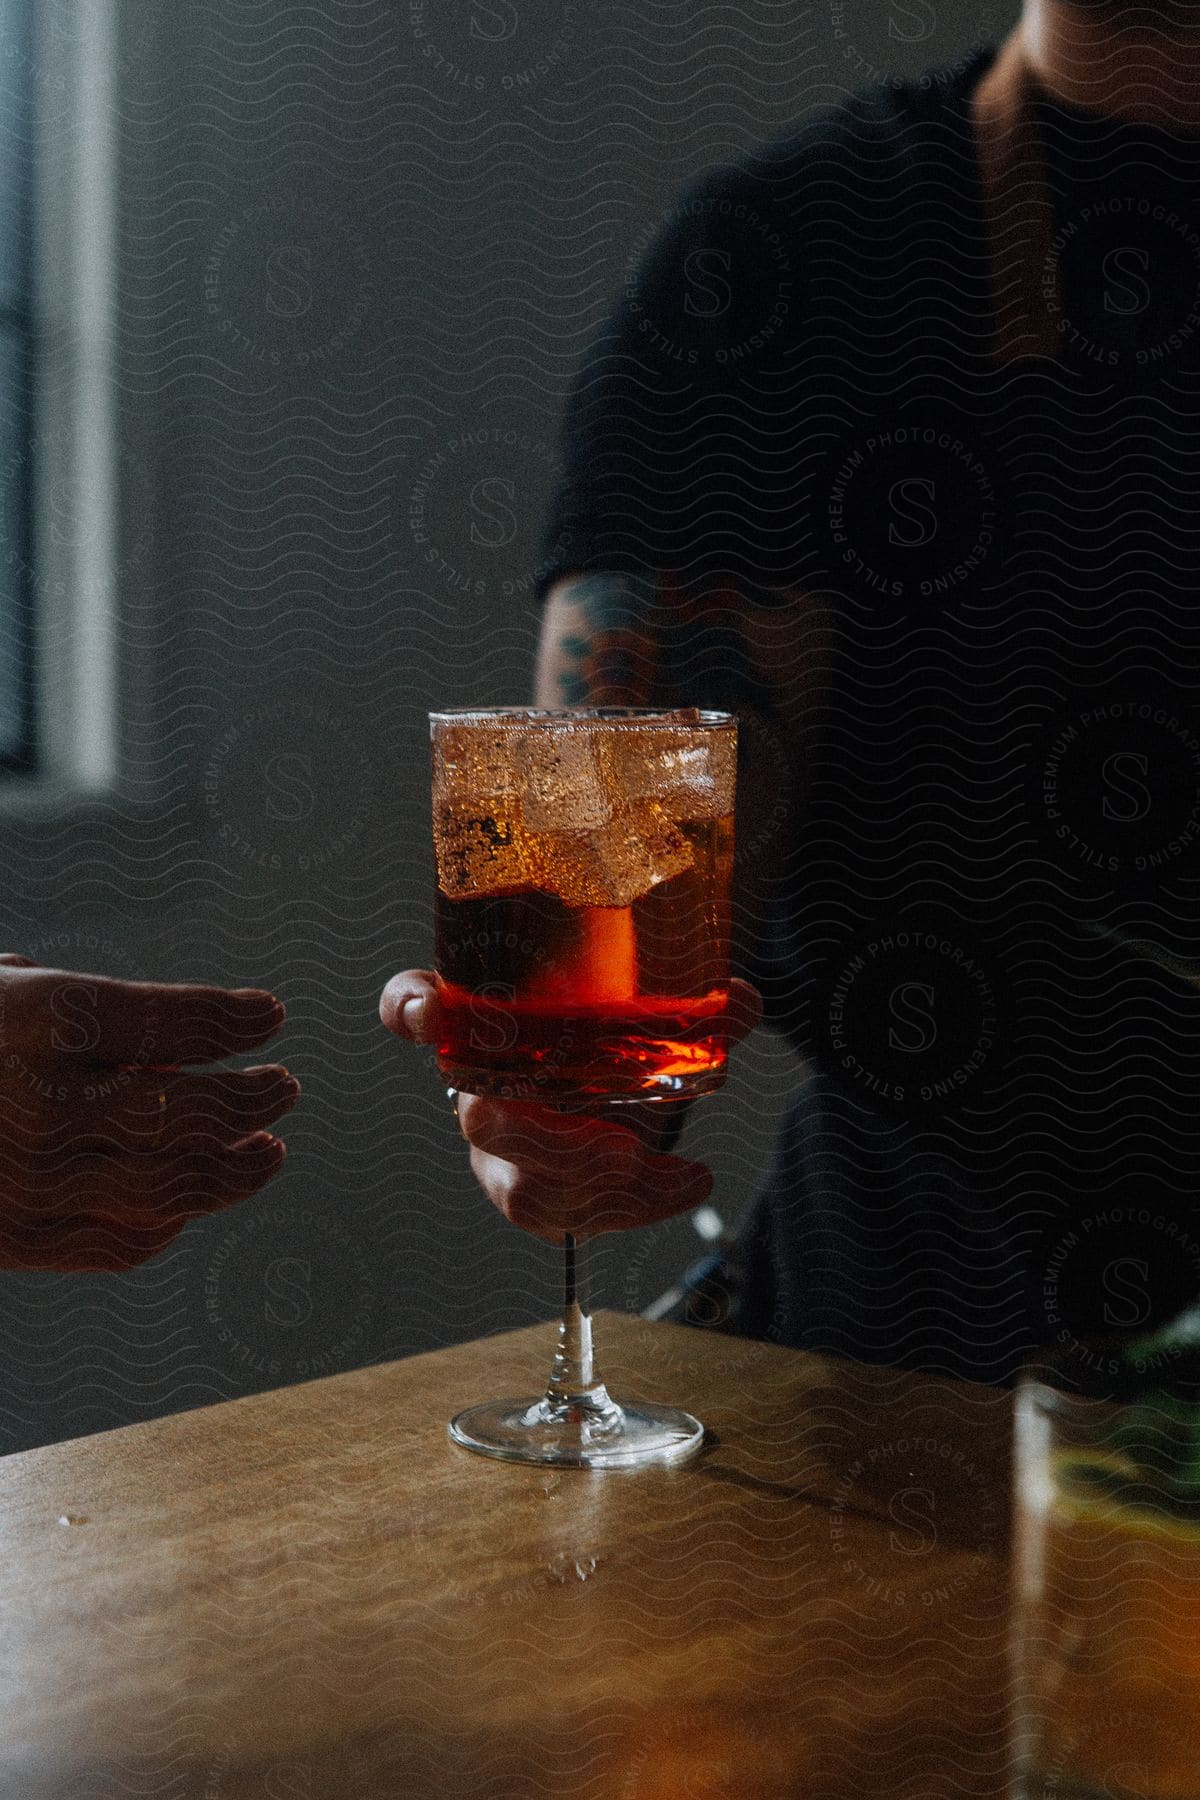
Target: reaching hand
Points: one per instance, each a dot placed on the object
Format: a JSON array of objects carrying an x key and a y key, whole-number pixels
[
  {"x": 551, "y": 1171},
  {"x": 109, "y": 1141}
]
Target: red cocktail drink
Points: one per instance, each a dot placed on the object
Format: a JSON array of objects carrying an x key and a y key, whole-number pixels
[{"x": 582, "y": 911}]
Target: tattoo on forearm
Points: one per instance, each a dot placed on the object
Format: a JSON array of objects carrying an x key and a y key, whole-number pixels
[{"x": 611, "y": 660}]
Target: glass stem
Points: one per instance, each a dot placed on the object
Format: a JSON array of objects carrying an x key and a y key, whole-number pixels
[{"x": 575, "y": 1383}]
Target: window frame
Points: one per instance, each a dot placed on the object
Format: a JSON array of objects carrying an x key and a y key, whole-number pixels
[
  {"x": 88, "y": 688},
  {"x": 19, "y": 319}
]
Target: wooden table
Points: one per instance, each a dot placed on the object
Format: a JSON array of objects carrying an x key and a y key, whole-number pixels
[{"x": 312, "y": 1594}]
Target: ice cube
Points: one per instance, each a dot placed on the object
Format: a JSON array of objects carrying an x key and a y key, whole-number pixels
[
  {"x": 618, "y": 862},
  {"x": 469, "y": 761},
  {"x": 591, "y": 815},
  {"x": 481, "y": 850},
  {"x": 689, "y": 772},
  {"x": 564, "y": 783}
]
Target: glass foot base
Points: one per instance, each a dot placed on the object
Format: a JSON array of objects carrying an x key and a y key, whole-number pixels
[
  {"x": 577, "y": 1437},
  {"x": 579, "y": 1090}
]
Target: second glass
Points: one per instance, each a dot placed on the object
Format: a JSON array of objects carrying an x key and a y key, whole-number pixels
[
  {"x": 584, "y": 860},
  {"x": 1106, "y": 1624}
]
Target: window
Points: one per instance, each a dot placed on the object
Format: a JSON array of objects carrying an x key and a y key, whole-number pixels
[
  {"x": 16, "y": 372},
  {"x": 59, "y": 118}
]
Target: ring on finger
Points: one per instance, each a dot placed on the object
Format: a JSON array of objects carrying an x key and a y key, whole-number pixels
[{"x": 452, "y": 1096}]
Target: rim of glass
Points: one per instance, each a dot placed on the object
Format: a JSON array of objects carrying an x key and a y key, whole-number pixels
[
  {"x": 1033, "y": 1390},
  {"x": 1065, "y": 1383},
  {"x": 678, "y": 718}
]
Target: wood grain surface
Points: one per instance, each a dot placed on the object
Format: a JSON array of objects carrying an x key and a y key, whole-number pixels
[{"x": 313, "y": 1593}]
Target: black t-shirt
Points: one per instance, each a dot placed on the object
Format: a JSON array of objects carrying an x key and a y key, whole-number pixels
[{"x": 985, "y": 925}]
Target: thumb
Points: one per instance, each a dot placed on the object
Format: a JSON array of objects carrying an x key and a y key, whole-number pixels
[{"x": 408, "y": 1006}]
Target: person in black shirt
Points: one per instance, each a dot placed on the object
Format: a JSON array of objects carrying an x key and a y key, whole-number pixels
[{"x": 890, "y": 446}]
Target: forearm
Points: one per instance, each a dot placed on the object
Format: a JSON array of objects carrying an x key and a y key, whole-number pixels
[
  {"x": 621, "y": 640},
  {"x": 601, "y": 643}
]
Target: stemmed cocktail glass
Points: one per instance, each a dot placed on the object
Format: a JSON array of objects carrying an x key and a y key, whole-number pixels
[{"x": 582, "y": 951}]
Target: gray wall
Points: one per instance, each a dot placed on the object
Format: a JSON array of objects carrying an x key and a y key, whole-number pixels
[{"x": 363, "y": 247}]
